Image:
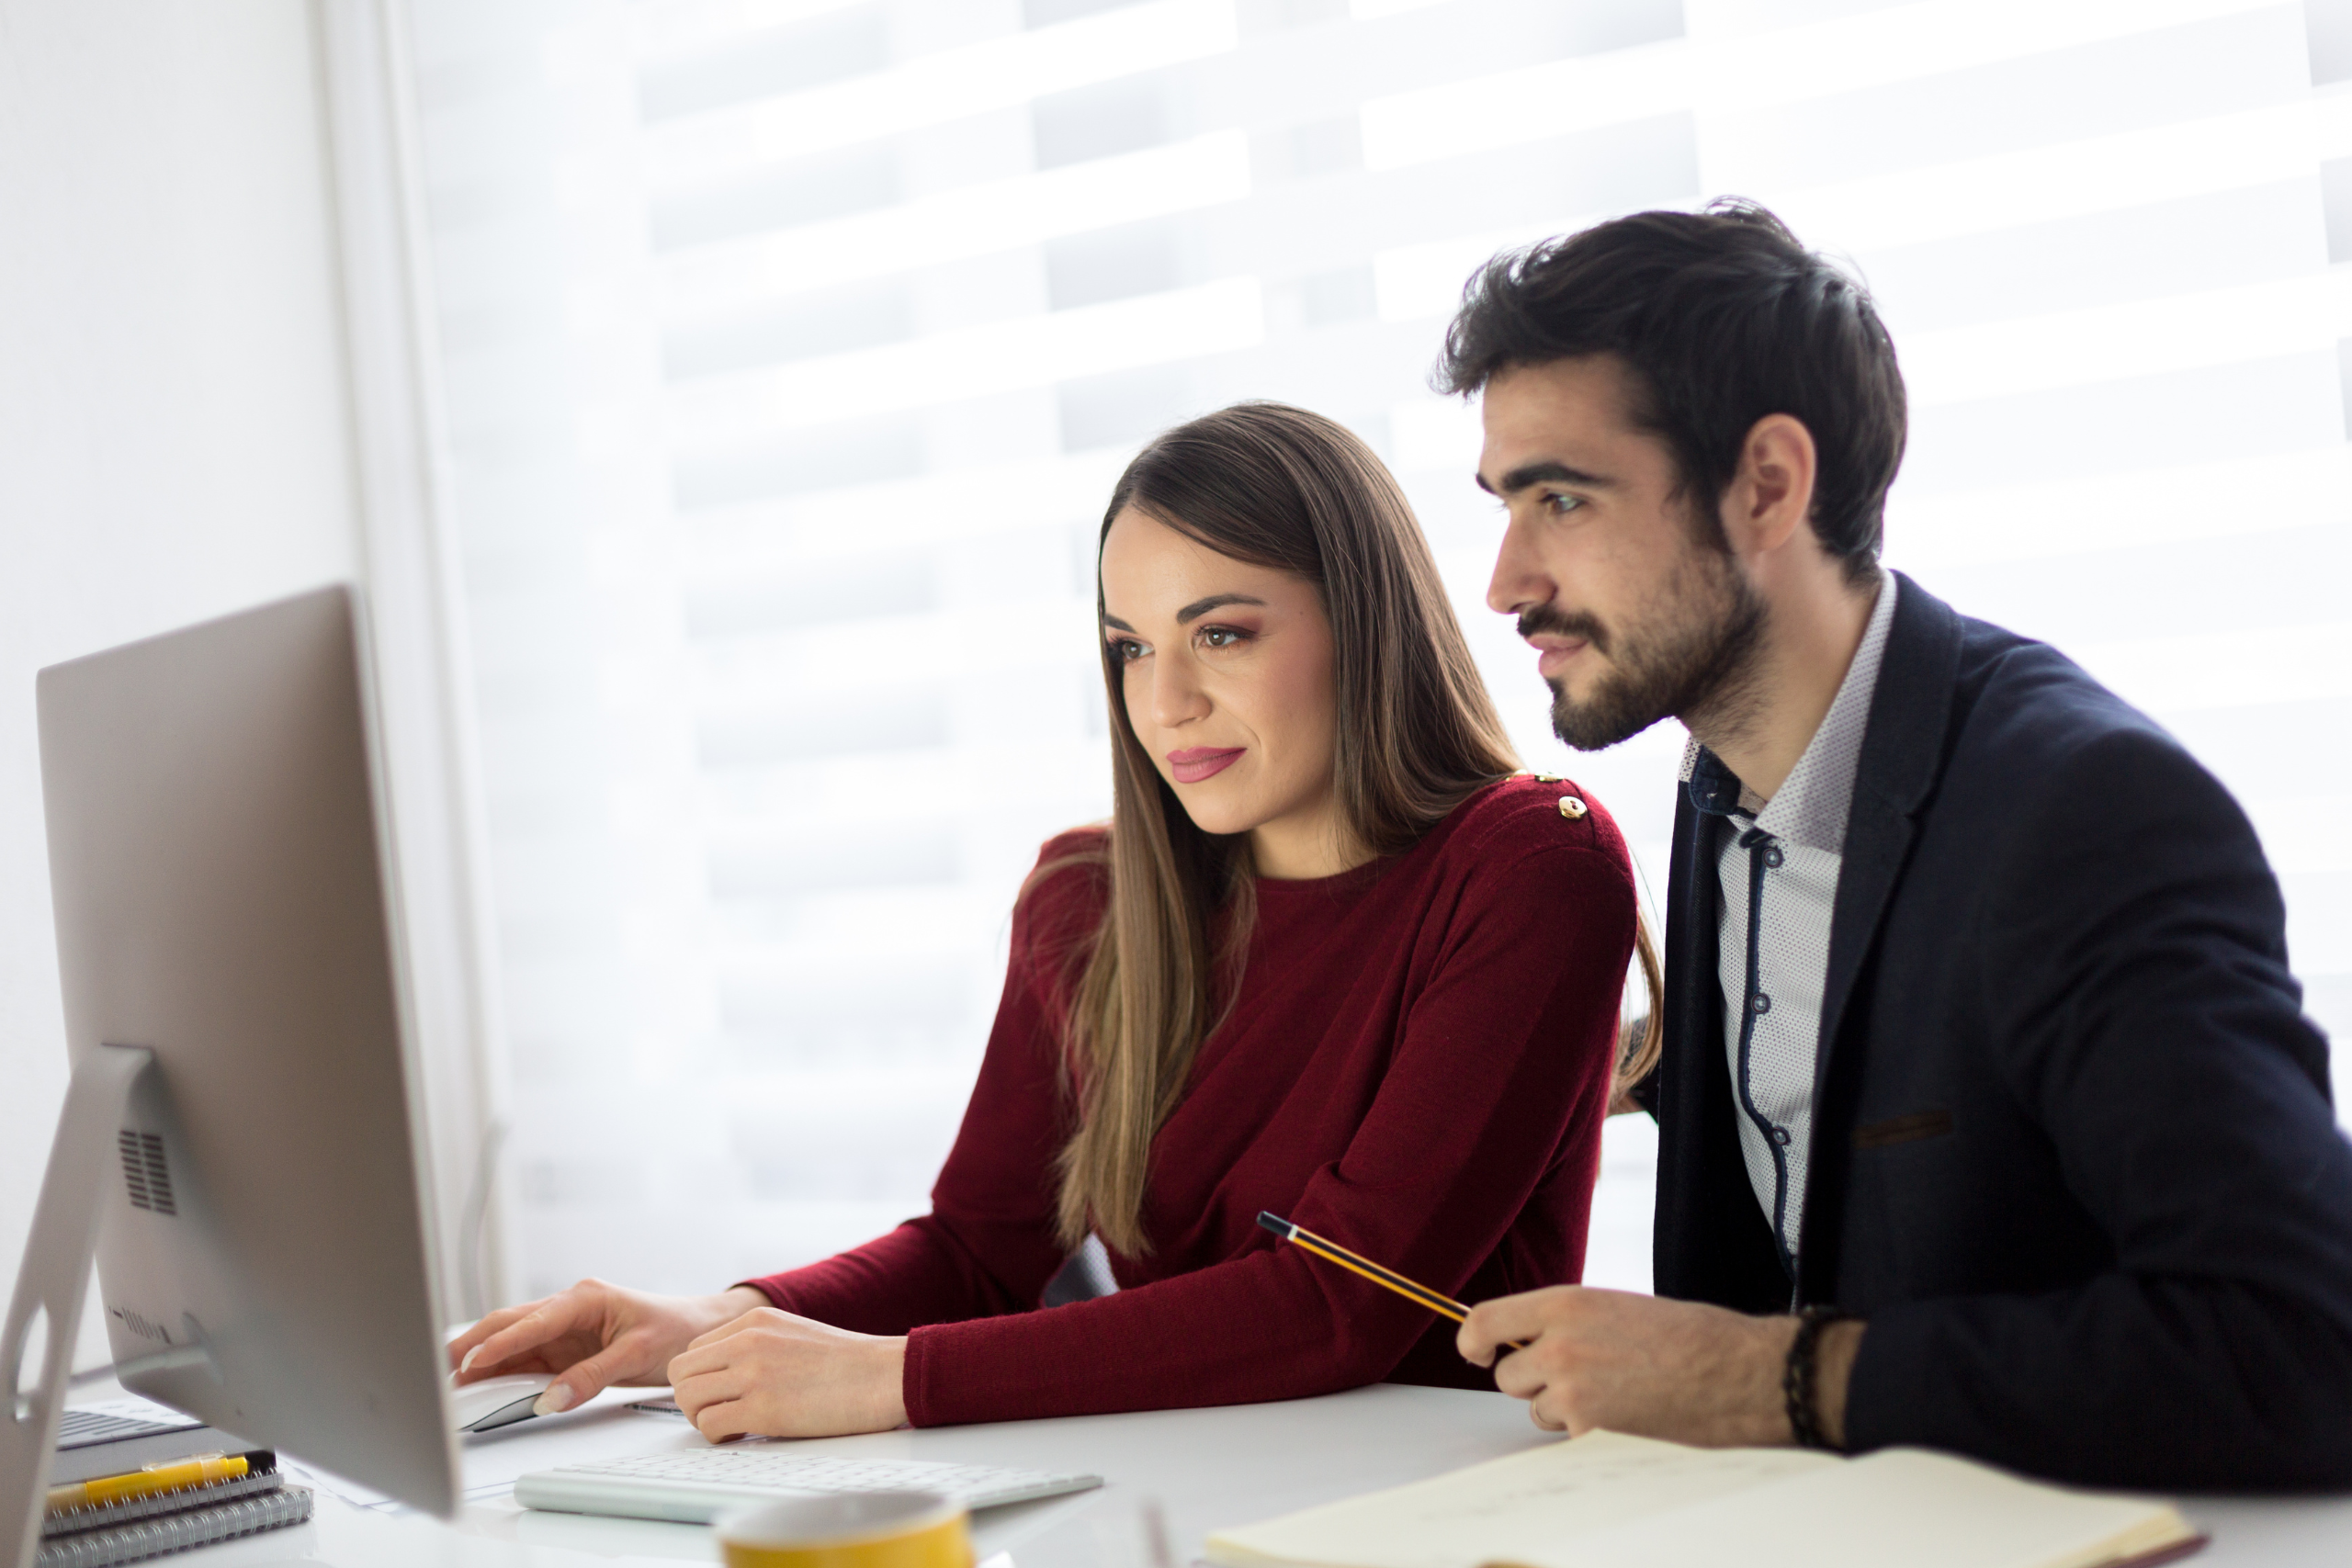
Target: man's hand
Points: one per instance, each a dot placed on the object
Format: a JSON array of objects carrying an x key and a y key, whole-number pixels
[
  {"x": 1653, "y": 1367},
  {"x": 782, "y": 1376},
  {"x": 593, "y": 1335}
]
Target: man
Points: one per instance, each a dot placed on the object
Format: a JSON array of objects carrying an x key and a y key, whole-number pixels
[{"x": 1989, "y": 1118}]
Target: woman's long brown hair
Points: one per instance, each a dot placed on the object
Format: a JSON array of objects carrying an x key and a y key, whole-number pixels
[{"x": 1416, "y": 734}]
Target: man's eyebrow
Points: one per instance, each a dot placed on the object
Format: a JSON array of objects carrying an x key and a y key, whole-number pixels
[
  {"x": 1548, "y": 471},
  {"x": 1199, "y": 607}
]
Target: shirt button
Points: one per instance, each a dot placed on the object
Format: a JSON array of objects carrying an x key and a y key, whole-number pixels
[
  {"x": 1772, "y": 856},
  {"x": 1759, "y": 1003},
  {"x": 1780, "y": 1136}
]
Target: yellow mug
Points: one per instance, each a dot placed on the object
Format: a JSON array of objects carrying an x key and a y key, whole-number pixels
[{"x": 850, "y": 1529}]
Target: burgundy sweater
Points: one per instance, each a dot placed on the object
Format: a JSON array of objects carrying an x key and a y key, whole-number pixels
[{"x": 1416, "y": 1066}]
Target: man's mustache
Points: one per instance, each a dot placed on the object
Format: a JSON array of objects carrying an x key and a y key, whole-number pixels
[{"x": 1548, "y": 620}]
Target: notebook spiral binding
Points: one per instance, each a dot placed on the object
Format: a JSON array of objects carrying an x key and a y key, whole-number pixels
[
  {"x": 187, "y": 1527},
  {"x": 179, "y": 1500}
]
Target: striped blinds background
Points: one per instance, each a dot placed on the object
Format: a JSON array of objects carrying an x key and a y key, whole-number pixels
[{"x": 791, "y": 347}]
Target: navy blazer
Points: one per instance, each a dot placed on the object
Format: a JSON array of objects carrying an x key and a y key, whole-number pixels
[{"x": 2074, "y": 1156}]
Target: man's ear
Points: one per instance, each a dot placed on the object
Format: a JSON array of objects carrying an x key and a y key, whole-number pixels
[{"x": 1770, "y": 499}]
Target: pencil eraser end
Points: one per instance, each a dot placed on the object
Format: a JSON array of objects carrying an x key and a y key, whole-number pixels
[{"x": 1276, "y": 1223}]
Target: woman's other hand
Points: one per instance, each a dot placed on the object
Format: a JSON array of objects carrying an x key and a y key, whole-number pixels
[
  {"x": 592, "y": 1336},
  {"x": 781, "y": 1376}
]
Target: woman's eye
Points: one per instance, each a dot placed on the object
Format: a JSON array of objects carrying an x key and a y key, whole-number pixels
[
  {"x": 1126, "y": 650},
  {"x": 1223, "y": 636}
]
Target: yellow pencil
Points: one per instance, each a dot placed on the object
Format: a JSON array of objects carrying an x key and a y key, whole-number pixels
[
  {"x": 194, "y": 1471},
  {"x": 1356, "y": 1263}
]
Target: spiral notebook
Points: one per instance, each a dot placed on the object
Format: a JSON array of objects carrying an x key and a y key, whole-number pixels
[{"x": 142, "y": 1527}]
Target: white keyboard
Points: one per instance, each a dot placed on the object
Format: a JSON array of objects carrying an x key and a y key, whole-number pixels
[
  {"x": 77, "y": 1428},
  {"x": 696, "y": 1485}
]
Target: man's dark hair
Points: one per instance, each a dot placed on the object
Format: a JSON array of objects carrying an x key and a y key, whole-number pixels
[{"x": 1723, "y": 318}]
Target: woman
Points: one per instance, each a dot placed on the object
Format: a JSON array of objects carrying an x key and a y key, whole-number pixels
[{"x": 1329, "y": 958}]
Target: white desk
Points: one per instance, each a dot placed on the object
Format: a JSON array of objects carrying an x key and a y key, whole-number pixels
[{"x": 1206, "y": 1469}]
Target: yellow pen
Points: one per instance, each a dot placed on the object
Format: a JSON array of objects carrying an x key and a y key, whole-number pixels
[{"x": 194, "y": 1470}]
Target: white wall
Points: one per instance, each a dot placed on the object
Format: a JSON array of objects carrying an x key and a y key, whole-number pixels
[{"x": 174, "y": 422}]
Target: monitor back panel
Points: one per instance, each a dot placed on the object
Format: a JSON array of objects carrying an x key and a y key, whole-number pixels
[{"x": 216, "y": 861}]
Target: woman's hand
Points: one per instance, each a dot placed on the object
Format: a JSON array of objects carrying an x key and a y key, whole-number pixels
[
  {"x": 782, "y": 1376},
  {"x": 593, "y": 1335}
]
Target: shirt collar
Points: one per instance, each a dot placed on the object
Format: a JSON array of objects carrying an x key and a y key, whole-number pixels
[
  {"x": 1713, "y": 789},
  {"x": 1818, "y": 795}
]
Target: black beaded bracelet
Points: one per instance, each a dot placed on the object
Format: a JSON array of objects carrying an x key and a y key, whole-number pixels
[{"x": 1799, "y": 1383}]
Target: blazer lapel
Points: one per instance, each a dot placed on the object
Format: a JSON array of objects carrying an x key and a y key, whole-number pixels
[{"x": 1903, "y": 756}]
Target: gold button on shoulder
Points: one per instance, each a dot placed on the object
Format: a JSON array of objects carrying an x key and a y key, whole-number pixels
[
  {"x": 1571, "y": 808},
  {"x": 1551, "y": 778}
]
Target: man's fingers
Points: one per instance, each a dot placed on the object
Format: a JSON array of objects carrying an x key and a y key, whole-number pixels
[
  {"x": 1474, "y": 1340},
  {"x": 1517, "y": 1374},
  {"x": 1553, "y": 1409},
  {"x": 1497, "y": 1325}
]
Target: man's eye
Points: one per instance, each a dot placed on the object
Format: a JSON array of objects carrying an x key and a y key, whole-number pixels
[{"x": 1560, "y": 505}]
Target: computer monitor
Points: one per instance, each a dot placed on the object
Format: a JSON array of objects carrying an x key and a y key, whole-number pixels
[{"x": 218, "y": 849}]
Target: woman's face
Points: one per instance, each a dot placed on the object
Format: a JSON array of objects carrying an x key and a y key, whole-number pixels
[{"x": 1226, "y": 668}]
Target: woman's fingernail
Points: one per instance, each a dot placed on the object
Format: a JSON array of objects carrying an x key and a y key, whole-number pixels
[
  {"x": 470, "y": 1357},
  {"x": 555, "y": 1401}
]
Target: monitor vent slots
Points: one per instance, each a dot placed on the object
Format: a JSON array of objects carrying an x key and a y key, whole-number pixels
[
  {"x": 149, "y": 1178},
  {"x": 141, "y": 1325}
]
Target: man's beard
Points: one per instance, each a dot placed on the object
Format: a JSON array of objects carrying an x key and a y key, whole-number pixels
[{"x": 1691, "y": 661}]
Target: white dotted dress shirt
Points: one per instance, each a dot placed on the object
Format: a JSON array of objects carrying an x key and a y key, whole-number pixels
[{"x": 1779, "y": 860}]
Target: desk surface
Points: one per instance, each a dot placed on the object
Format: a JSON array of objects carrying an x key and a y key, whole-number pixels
[{"x": 1206, "y": 1469}]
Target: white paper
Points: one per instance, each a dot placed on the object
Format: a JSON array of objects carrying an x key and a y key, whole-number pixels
[{"x": 1609, "y": 1501}]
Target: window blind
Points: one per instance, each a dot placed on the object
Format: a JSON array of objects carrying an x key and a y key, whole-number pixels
[{"x": 791, "y": 347}]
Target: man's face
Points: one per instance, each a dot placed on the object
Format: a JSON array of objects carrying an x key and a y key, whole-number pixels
[{"x": 1636, "y": 610}]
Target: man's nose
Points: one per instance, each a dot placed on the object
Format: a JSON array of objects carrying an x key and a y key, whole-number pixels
[{"x": 1519, "y": 579}]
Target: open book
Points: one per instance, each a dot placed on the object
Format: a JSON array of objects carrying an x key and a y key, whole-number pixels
[{"x": 1608, "y": 1500}]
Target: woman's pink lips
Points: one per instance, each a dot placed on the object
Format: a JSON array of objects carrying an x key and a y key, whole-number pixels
[{"x": 1197, "y": 762}]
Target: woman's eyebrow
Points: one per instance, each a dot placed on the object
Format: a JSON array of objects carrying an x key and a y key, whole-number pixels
[
  {"x": 1117, "y": 625},
  {"x": 1199, "y": 607}
]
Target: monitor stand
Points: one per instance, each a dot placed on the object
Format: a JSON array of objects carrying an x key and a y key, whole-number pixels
[{"x": 47, "y": 1308}]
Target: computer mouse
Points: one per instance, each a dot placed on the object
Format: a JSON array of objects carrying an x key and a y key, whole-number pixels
[{"x": 497, "y": 1402}]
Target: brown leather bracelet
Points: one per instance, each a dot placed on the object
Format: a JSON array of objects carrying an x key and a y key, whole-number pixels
[{"x": 1800, "y": 1378}]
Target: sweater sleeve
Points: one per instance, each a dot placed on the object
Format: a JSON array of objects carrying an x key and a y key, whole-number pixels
[
  {"x": 988, "y": 1245},
  {"x": 2150, "y": 1025},
  {"x": 1507, "y": 1044}
]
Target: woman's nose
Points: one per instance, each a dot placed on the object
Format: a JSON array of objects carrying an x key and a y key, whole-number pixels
[{"x": 1176, "y": 694}]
